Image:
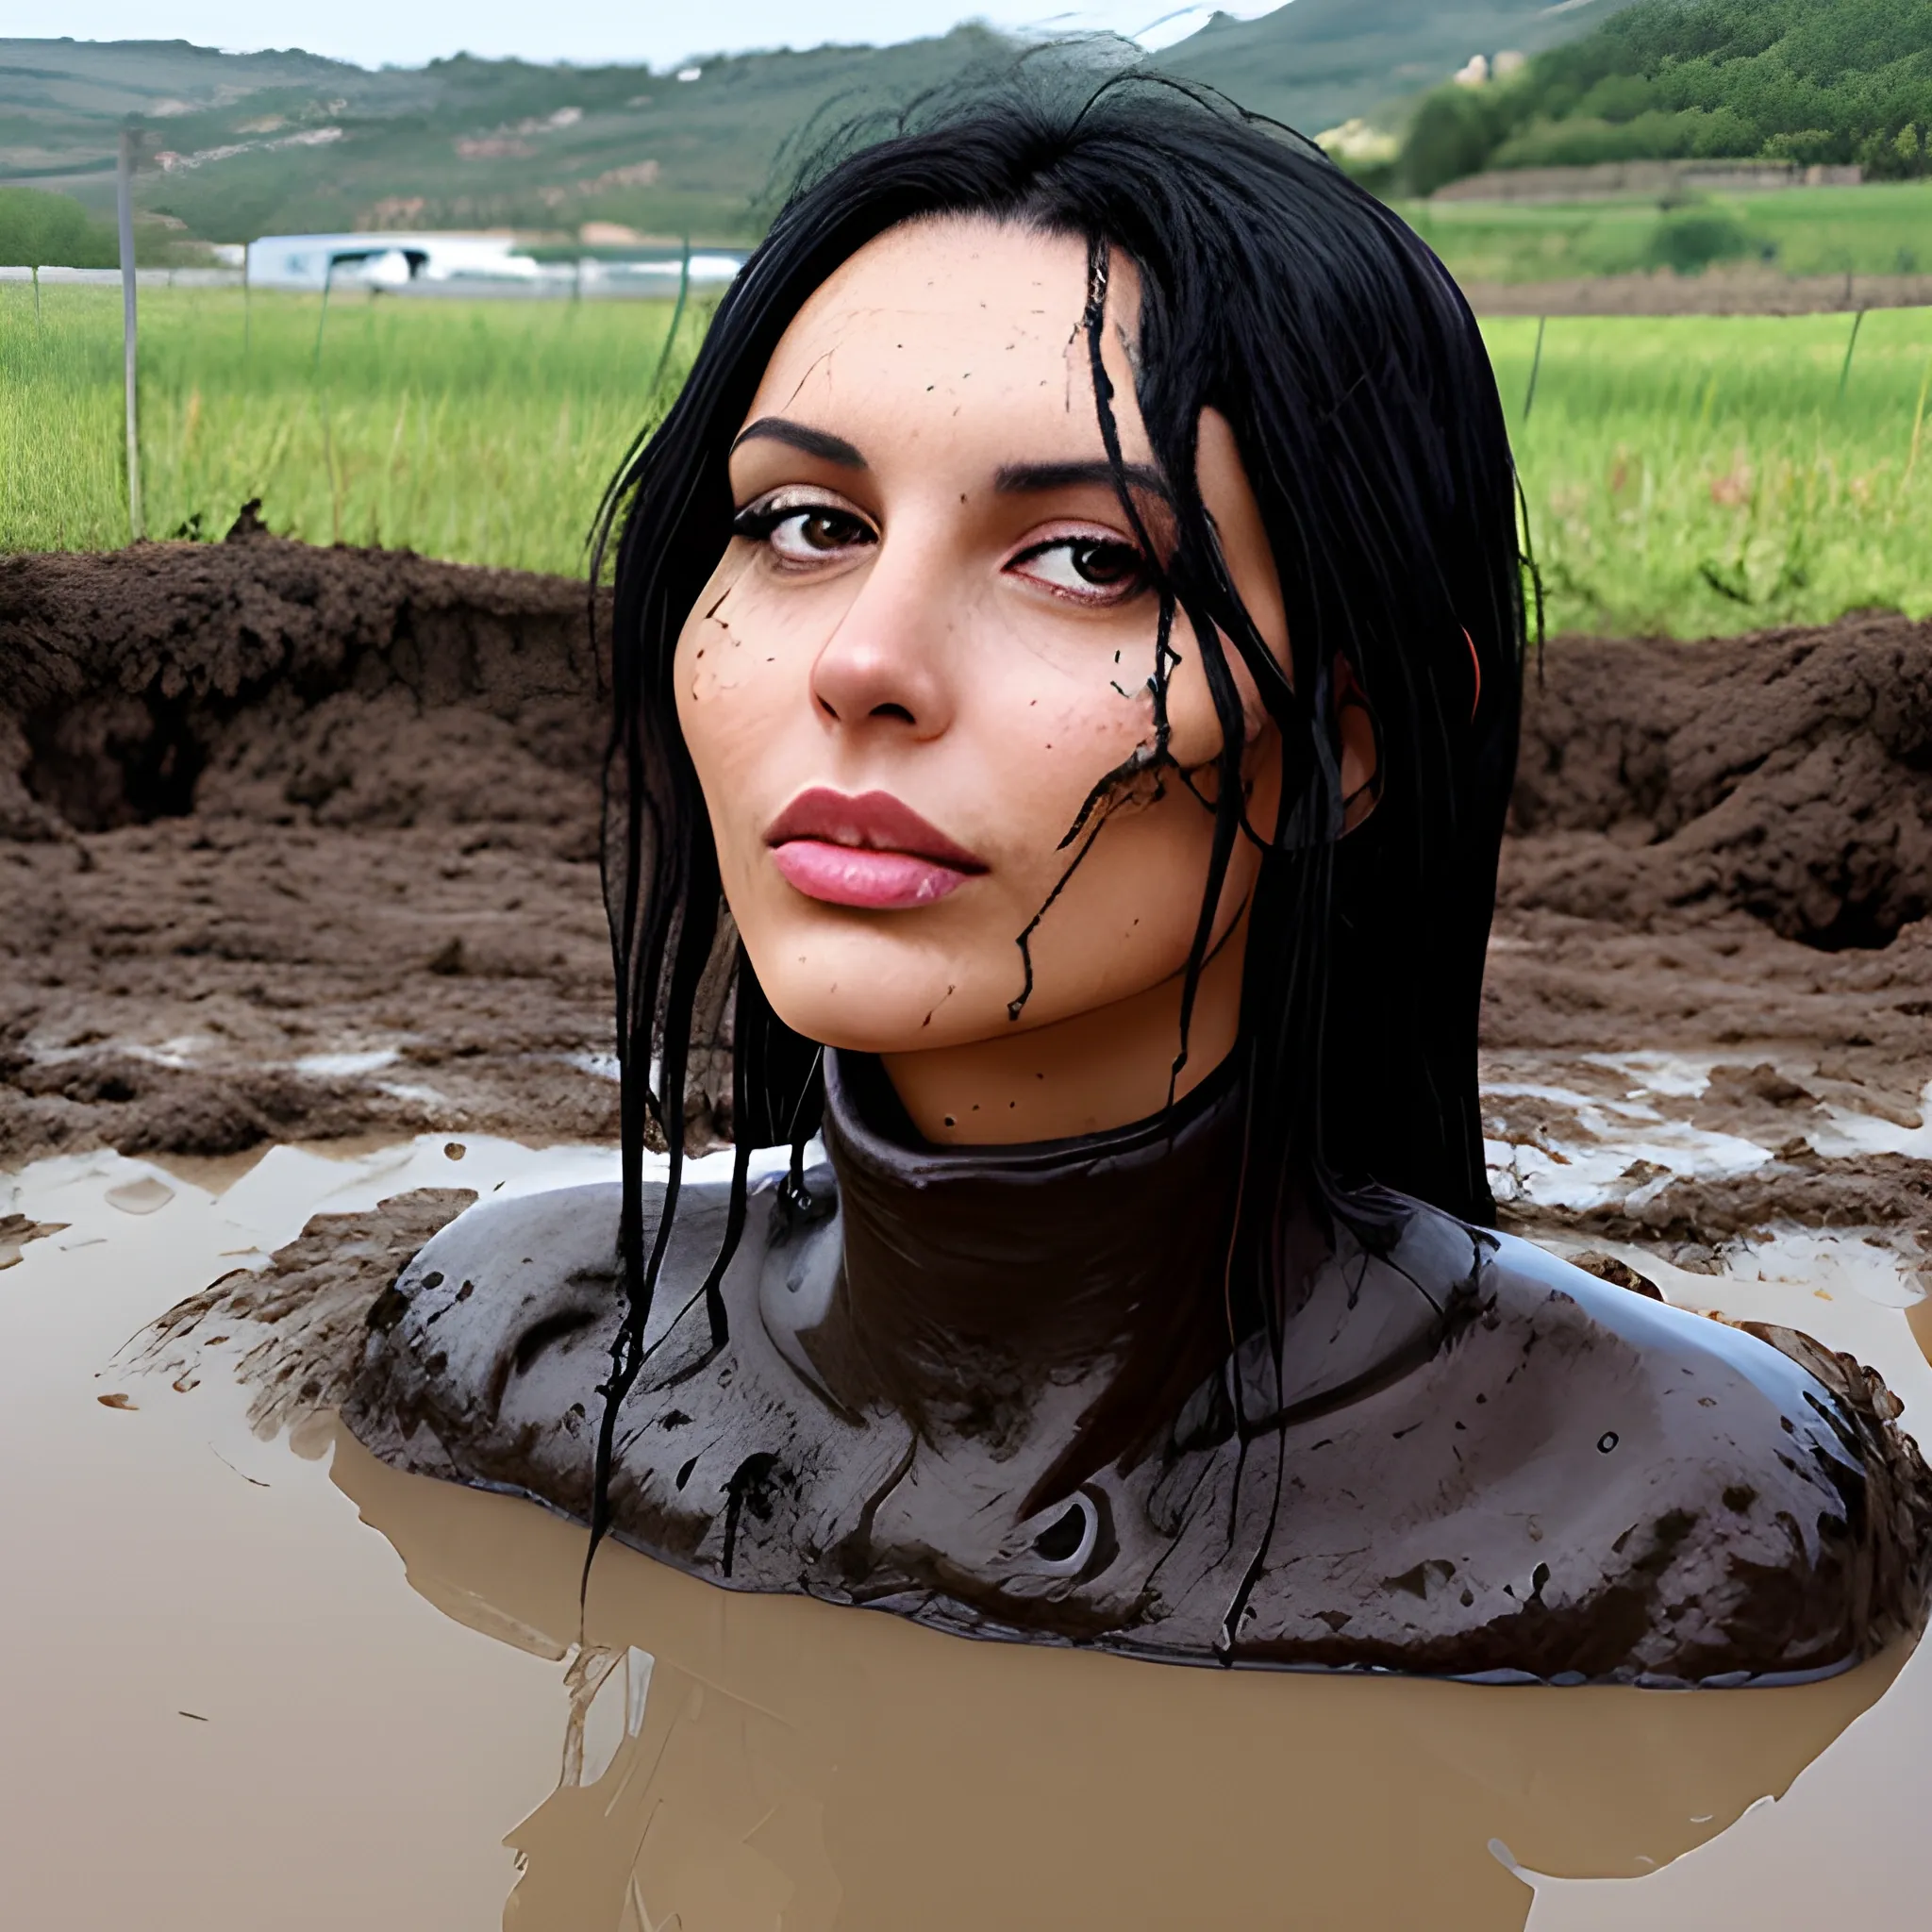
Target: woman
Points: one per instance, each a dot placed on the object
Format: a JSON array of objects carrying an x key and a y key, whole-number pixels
[{"x": 1067, "y": 666}]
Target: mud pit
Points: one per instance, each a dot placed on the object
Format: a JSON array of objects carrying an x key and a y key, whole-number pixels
[{"x": 298, "y": 846}]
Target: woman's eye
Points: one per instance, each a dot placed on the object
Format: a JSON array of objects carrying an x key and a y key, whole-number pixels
[
  {"x": 809, "y": 535},
  {"x": 803, "y": 533},
  {"x": 1089, "y": 570}
]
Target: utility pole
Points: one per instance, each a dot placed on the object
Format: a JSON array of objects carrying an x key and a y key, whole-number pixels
[{"x": 130, "y": 143}]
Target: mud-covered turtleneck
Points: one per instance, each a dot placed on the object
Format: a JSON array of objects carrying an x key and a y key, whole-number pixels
[
  {"x": 991, "y": 1389},
  {"x": 972, "y": 1275}
]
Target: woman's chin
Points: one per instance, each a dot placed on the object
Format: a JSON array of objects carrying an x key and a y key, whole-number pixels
[{"x": 868, "y": 1019}]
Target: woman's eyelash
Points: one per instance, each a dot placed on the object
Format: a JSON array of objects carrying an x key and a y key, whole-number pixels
[
  {"x": 758, "y": 521},
  {"x": 1124, "y": 575},
  {"x": 781, "y": 503}
]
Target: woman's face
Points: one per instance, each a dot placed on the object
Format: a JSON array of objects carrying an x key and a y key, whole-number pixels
[{"x": 929, "y": 639}]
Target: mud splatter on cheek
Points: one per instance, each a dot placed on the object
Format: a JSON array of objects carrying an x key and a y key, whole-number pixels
[{"x": 721, "y": 660}]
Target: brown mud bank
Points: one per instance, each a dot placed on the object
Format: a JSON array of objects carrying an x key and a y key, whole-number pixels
[
  {"x": 300, "y": 844},
  {"x": 1716, "y": 291},
  {"x": 294, "y": 843}
]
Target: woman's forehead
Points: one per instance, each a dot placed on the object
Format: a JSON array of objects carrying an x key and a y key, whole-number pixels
[{"x": 950, "y": 321}]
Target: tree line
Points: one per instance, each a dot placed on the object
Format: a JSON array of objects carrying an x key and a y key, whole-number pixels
[{"x": 1790, "y": 80}]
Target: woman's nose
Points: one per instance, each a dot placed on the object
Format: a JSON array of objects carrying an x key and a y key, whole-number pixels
[{"x": 884, "y": 667}]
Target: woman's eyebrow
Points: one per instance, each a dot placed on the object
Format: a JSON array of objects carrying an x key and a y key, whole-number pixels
[
  {"x": 1026, "y": 479},
  {"x": 801, "y": 436}
]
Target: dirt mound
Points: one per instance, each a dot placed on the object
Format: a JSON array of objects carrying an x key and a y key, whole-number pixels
[
  {"x": 1788, "y": 775},
  {"x": 295, "y": 844},
  {"x": 300, "y": 844},
  {"x": 271, "y": 680}
]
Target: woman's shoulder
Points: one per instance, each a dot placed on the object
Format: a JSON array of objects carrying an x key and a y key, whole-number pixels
[
  {"x": 483, "y": 1359},
  {"x": 1726, "y": 1397},
  {"x": 1585, "y": 1481}
]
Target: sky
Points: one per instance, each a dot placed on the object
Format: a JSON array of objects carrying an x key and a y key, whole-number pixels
[{"x": 378, "y": 33}]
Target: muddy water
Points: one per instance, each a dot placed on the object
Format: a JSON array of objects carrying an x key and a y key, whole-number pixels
[{"x": 252, "y": 1683}]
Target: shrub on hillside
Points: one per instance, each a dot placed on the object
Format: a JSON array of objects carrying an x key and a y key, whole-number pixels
[{"x": 1454, "y": 133}]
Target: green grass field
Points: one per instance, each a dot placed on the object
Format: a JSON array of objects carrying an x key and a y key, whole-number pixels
[
  {"x": 1699, "y": 476},
  {"x": 482, "y": 431},
  {"x": 1687, "y": 477}
]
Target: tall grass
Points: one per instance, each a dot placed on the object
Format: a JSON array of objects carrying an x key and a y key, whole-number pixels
[
  {"x": 482, "y": 431},
  {"x": 1695, "y": 475},
  {"x": 61, "y": 486},
  {"x": 1687, "y": 477}
]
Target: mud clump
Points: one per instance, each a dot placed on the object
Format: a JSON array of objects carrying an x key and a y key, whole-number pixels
[
  {"x": 1788, "y": 775},
  {"x": 273, "y": 681},
  {"x": 1722, "y": 851},
  {"x": 299, "y": 1321},
  {"x": 300, "y": 844}
]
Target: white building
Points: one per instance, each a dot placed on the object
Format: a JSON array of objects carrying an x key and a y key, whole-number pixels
[{"x": 386, "y": 261}]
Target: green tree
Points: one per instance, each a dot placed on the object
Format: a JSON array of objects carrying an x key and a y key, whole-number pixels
[
  {"x": 40, "y": 230},
  {"x": 1454, "y": 133}
]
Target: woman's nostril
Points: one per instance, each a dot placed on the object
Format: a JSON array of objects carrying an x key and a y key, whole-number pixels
[{"x": 898, "y": 711}]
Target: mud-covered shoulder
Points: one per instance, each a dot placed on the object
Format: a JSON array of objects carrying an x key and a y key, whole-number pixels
[
  {"x": 482, "y": 1362},
  {"x": 1782, "y": 1516},
  {"x": 491, "y": 1291}
]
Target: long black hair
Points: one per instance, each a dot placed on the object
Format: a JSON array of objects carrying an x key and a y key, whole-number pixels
[{"x": 1277, "y": 291}]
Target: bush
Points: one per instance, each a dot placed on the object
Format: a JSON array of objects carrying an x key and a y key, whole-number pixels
[
  {"x": 40, "y": 230},
  {"x": 1693, "y": 240},
  {"x": 1900, "y": 158}
]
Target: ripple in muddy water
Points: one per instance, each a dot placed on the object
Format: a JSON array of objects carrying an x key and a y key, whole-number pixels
[{"x": 257, "y": 1678}]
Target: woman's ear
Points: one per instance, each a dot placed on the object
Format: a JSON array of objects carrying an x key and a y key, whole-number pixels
[{"x": 1361, "y": 755}]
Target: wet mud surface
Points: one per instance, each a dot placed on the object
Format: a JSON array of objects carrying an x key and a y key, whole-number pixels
[
  {"x": 1712, "y": 925},
  {"x": 299, "y": 845},
  {"x": 269, "y": 1644}
]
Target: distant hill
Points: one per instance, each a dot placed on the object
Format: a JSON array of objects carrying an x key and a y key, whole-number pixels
[
  {"x": 1318, "y": 62},
  {"x": 253, "y": 143},
  {"x": 258, "y": 143},
  {"x": 1833, "y": 81}
]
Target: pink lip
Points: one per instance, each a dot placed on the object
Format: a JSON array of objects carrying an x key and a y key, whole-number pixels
[{"x": 870, "y": 850}]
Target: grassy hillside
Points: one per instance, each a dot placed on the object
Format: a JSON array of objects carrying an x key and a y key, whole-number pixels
[
  {"x": 1799, "y": 80},
  {"x": 255, "y": 144},
  {"x": 260, "y": 142},
  {"x": 1317, "y": 63}
]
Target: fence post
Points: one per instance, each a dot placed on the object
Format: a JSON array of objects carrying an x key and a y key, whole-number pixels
[{"x": 131, "y": 142}]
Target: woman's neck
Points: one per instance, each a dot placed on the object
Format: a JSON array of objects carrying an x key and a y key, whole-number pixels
[{"x": 1092, "y": 1070}]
